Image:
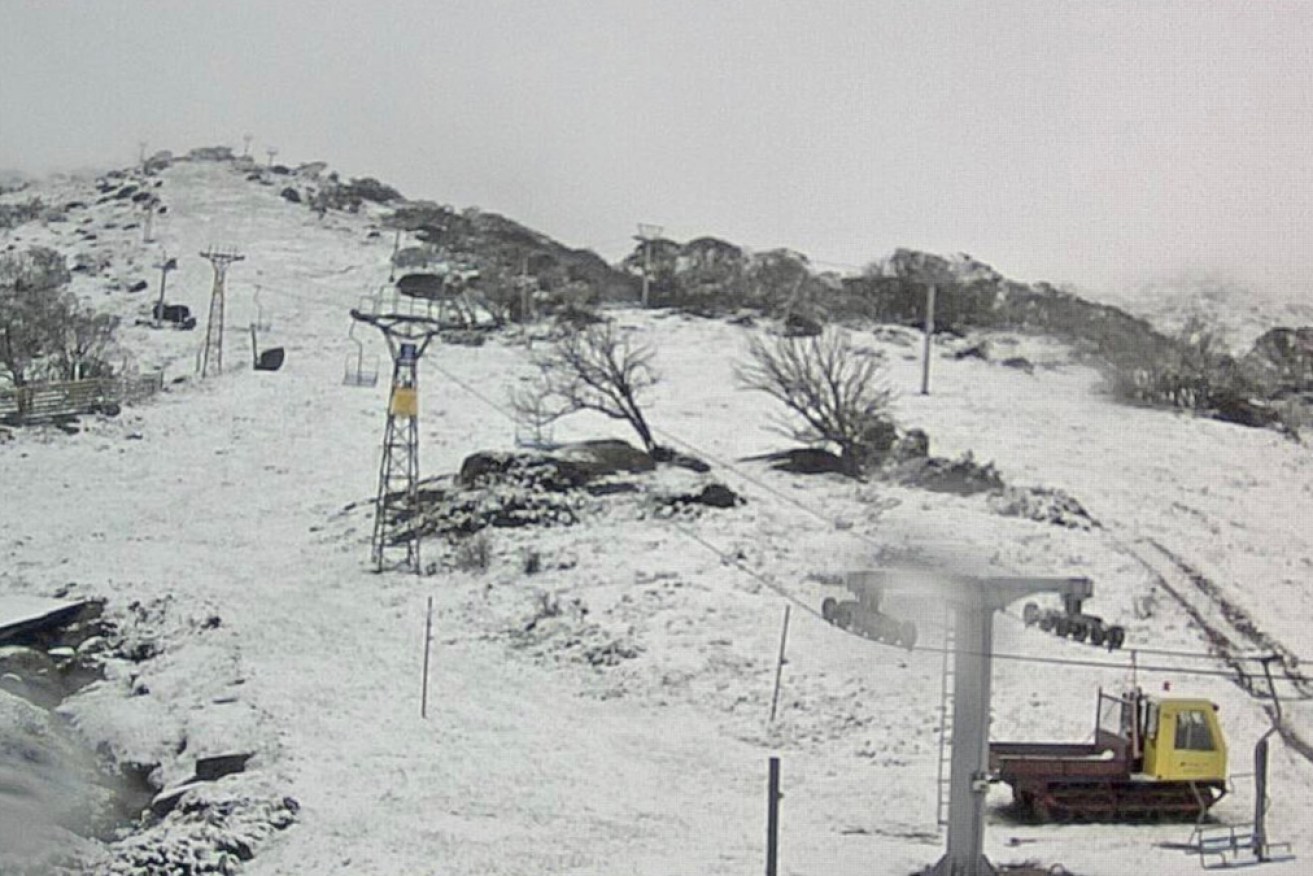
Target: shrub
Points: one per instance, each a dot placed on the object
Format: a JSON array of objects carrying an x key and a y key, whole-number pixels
[{"x": 473, "y": 554}]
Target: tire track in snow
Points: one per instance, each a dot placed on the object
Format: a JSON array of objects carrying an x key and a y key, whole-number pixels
[{"x": 1223, "y": 623}]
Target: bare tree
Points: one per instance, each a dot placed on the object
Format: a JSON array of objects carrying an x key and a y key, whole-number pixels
[
  {"x": 590, "y": 369},
  {"x": 834, "y": 391},
  {"x": 87, "y": 344}
]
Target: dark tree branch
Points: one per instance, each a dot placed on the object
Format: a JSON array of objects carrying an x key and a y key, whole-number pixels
[
  {"x": 835, "y": 391},
  {"x": 594, "y": 369}
]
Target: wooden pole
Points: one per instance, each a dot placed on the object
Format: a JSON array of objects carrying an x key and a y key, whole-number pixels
[
  {"x": 929, "y": 334},
  {"x": 773, "y": 797},
  {"x": 428, "y": 638},
  {"x": 779, "y": 664}
]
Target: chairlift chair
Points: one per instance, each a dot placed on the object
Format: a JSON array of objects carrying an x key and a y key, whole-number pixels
[
  {"x": 534, "y": 437},
  {"x": 361, "y": 370},
  {"x": 370, "y": 303},
  {"x": 265, "y": 360}
]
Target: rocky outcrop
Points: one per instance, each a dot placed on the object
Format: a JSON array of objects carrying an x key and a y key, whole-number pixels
[
  {"x": 710, "y": 275},
  {"x": 1283, "y": 359},
  {"x": 211, "y": 153},
  {"x": 504, "y": 252}
]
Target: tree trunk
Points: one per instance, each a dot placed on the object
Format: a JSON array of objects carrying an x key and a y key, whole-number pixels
[{"x": 644, "y": 433}]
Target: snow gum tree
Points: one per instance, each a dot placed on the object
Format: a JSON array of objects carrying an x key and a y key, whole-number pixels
[
  {"x": 44, "y": 332},
  {"x": 834, "y": 393},
  {"x": 594, "y": 368}
]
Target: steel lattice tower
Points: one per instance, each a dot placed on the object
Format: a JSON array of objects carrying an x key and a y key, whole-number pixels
[
  {"x": 421, "y": 308},
  {"x": 212, "y": 352},
  {"x": 398, "y": 474}
]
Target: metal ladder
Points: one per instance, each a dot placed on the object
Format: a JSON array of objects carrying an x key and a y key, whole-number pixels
[{"x": 946, "y": 679}]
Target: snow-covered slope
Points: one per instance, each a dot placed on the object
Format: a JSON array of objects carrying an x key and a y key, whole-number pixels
[{"x": 625, "y": 729}]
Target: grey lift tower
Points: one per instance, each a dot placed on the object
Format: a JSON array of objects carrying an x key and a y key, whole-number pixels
[
  {"x": 974, "y": 601},
  {"x": 418, "y": 309},
  {"x": 212, "y": 352}
]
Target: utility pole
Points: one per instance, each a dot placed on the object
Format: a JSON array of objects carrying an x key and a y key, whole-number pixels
[
  {"x": 141, "y": 153},
  {"x": 647, "y": 233},
  {"x": 929, "y": 335},
  {"x": 246, "y": 145},
  {"x": 212, "y": 352}
]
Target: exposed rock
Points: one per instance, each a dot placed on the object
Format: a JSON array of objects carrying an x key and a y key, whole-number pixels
[
  {"x": 41, "y": 622},
  {"x": 566, "y": 467},
  {"x": 159, "y": 161},
  {"x": 963, "y": 476},
  {"x": 370, "y": 189},
  {"x": 684, "y": 460},
  {"x": 798, "y": 325},
  {"x": 1021, "y": 363},
  {"x": 715, "y": 495},
  {"x": 978, "y": 350},
  {"x": 1042, "y": 505},
  {"x": 291, "y": 194},
  {"x": 912, "y": 444},
  {"x": 209, "y": 769},
  {"x": 603, "y": 457},
  {"x": 1246, "y": 412},
  {"x": 1283, "y": 357},
  {"x": 211, "y": 153},
  {"x": 497, "y": 247},
  {"x": 610, "y": 653},
  {"x": 804, "y": 460},
  {"x": 209, "y": 829},
  {"x": 32, "y": 675}
]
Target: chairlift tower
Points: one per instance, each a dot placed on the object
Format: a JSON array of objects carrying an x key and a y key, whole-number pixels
[
  {"x": 419, "y": 309},
  {"x": 212, "y": 352},
  {"x": 646, "y": 234},
  {"x": 974, "y": 601}
]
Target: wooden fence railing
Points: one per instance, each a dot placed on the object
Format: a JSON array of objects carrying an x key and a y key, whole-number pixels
[{"x": 44, "y": 401}]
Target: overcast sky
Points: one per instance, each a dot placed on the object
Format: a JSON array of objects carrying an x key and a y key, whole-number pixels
[{"x": 1087, "y": 142}]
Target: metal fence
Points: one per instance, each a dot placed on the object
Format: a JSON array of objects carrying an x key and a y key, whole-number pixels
[{"x": 45, "y": 401}]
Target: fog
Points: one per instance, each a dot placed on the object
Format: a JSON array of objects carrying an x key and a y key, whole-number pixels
[{"x": 1074, "y": 142}]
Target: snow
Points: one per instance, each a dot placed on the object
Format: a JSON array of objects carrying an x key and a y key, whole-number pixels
[{"x": 546, "y": 749}]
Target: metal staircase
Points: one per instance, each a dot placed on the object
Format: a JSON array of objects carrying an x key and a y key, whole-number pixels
[{"x": 945, "y": 721}]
